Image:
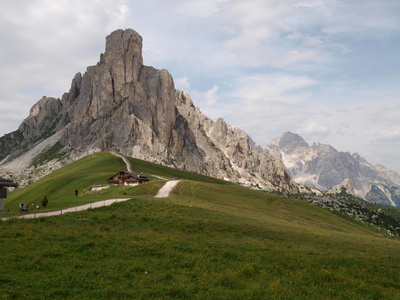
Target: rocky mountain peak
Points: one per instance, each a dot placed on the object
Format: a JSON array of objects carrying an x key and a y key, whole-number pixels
[
  {"x": 123, "y": 106},
  {"x": 323, "y": 167},
  {"x": 124, "y": 40},
  {"x": 39, "y": 106},
  {"x": 290, "y": 141},
  {"x": 41, "y": 114}
]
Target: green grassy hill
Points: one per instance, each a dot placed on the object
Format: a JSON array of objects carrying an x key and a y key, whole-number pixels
[
  {"x": 59, "y": 187},
  {"x": 208, "y": 240}
]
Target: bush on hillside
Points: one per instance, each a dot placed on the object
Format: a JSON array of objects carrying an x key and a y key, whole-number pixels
[{"x": 45, "y": 201}]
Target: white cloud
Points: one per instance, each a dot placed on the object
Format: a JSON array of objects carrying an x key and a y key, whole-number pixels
[
  {"x": 296, "y": 56},
  {"x": 364, "y": 19},
  {"x": 273, "y": 87},
  {"x": 46, "y": 42},
  {"x": 315, "y": 129},
  {"x": 182, "y": 83},
  {"x": 200, "y": 8},
  {"x": 211, "y": 96},
  {"x": 389, "y": 134},
  {"x": 267, "y": 105},
  {"x": 252, "y": 13},
  {"x": 258, "y": 21},
  {"x": 206, "y": 100}
]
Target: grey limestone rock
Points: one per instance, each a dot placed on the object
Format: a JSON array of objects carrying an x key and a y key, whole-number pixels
[
  {"x": 343, "y": 186},
  {"x": 322, "y": 166},
  {"x": 290, "y": 141}
]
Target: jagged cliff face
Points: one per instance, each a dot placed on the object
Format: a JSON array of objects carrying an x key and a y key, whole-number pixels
[
  {"x": 122, "y": 105},
  {"x": 227, "y": 152},
  {"x": 323, "y": 167},
  {"x": 120, "y": 102}
]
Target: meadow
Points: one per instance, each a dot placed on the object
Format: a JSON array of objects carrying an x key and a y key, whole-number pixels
[
  {"x": 208, "y": 240},
  {"x": 59, "y": 186}
]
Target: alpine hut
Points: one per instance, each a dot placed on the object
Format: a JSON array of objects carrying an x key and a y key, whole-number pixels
[{"x": 127, "y": 178}]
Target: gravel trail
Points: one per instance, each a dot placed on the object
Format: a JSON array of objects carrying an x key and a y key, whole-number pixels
[
  {"x": 34, "y": 215},
  {"x": 126, "y": 161},
  {"x": 167, "y": 188}
]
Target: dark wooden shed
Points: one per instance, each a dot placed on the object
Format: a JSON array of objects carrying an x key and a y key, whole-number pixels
[{"x": 4, "y": 184}]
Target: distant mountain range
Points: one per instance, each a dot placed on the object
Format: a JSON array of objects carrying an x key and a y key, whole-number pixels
[
  {"x": 323, "y": 167},
  {"x": 124, "y": 106}
]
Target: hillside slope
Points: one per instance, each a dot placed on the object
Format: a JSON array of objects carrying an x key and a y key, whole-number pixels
[
  {"x": 59, "y": 186},
  {"x": 209, "y": 239}
]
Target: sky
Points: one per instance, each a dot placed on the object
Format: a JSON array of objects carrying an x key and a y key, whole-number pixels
[{"x": 328, "y": 70}]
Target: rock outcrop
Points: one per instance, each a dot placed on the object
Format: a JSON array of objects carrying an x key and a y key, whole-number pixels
[
  {"x": 323, "y": 167},
  {"x": 343, "y": 187},
  {"x": 124, "y": 106}
]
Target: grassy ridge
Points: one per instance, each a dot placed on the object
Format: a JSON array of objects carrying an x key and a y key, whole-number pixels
[
  {"x": 152, "y": 169},
  {"x": 206, "y": 241},
  {"x": 60, "y": 185}
]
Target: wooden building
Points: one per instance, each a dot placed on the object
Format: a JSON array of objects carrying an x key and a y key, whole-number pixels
[
  {"x": 4, "y": 184},
  {"x": 127, "y": 178}
]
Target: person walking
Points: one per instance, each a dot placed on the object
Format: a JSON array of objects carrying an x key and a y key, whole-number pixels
[{"x": 76, "y": 193}]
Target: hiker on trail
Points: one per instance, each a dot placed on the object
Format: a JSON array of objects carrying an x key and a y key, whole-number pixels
[{"x": 76, "y": 193}]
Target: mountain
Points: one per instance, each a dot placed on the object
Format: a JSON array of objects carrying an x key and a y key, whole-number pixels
[
  {"x": 124, "y": 106},
  {"x": 322, "y": 166}
]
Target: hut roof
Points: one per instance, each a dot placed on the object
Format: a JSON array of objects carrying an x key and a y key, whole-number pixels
[
  {"x": 6, "y": 183},
  {"x": 133, "y": 174}
]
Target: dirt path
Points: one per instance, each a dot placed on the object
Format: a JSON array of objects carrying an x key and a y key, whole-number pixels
[
  {"x": 166, "y": 189},
  {"x": 68, "y": 210},
  {"x": 126, "y": 161},
  {"x": 162, "y": 193}
]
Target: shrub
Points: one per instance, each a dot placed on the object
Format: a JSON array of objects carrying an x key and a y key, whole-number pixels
[{"x": 45, "y": 201}]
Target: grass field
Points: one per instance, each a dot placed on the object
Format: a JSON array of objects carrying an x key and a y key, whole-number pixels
[
  {"x": 59, "y": 187},
  {"x": 208, "y": 240}
]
